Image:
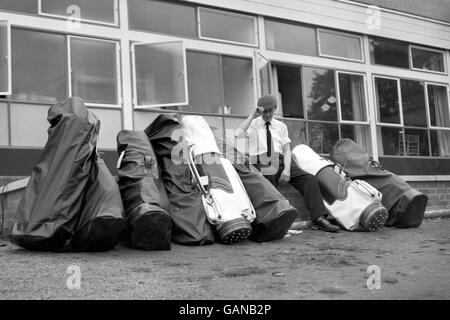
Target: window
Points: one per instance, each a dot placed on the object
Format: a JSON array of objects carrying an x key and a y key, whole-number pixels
[
  {"x": 290, "y": 96},
  {"x": 389, "y": 52},
  {"x": 340, "y": 45},
  {"x": 25, "y": 6},
  {"x": 290, "y": 38},
  {"x": 227, "y": 26},
  {"x": 4, "y": 127},
  {"x": 159, "y": 74},
  {"x": 388, "y": 101},
  {"x": 297, "y": 131},
  {"x": 162, "y": 16},
  {"x": 102, "y": 11},
  {"x": 320, "y": 95},
  {"x": 94, "y": 70},
  {"x": 22, "y": 133},
  {"x": 413, "y": 103},
  {"x": 5, "y": 58},
  {"x": 40, "y": 74},
  {"x": 110, "y": 125},
  {"x": 352, "y": 97},
  {"x": 439, "y": 106},
  {"x": 427, "y": 59}
]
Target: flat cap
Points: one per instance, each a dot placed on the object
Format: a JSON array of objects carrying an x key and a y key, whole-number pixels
[{"x": 267, "y": 101}]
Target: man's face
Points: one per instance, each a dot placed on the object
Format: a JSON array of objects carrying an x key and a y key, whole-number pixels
[{"x": 267, "y": 114}]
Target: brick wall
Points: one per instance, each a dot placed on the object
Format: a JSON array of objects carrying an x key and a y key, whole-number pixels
[{"x": 438, "y": 194}]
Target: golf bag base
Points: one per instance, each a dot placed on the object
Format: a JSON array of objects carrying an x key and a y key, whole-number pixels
[
  {"x": 58, "y": 242},
  {"x": 234, "y": 231}
]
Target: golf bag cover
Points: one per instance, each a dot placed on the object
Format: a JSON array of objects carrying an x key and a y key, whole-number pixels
[
  {"x": 406, "y": 205},
  {"x": 226, "y": 203},
  {"x": 49, "y": 210},
  {"x": 189, "y": 222},
  {"x": 274, "y": 214},
  {"x": 149, "y": 226},
  {"x": 355, "y": 205},
  {"x": 101, "y": 220}
]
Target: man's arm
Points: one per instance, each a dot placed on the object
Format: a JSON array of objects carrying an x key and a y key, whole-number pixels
[
  {"x": 242, "y": 130},
  {"x": 286, "y": 174}
]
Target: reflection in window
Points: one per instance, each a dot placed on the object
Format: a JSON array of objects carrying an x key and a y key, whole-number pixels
[
  {"x": 389, "y": 52},
  {"x": 439, "y": 106},
  {"x": 440, "y": 143},
  {"x": 163, "y": 17},
  {"x": 4, "y": 58},
  {"x": 387, "y": 98},
  {"x": 322, "y": 136},
  {"x": 25, "y": 6},
  {"x": 340, "y": 45},
  {"x": 352, "y": 98},
  {"x": 160, "y": 73},
  {"x": 98, "y": 10},
  {"x": 403, "y": 142},
  {"x": 296, "y": 131},
  {"x": 290, "y": 89},
  {"x": 358, "y": 133},
  {"x": 227, "y": 26},
  {"x": 320, "y": 94},
  {"x": 40, "y": 74},
  {"x": 110, "y": 125},
  {"x": 290, "y": 38},
  {"x": 427, "y": 59},
  {"x": 94, "y": 70},
  {"x": 413, "y": 103}
]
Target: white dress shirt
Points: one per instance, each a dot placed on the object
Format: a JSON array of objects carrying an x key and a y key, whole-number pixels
[{"x": 257, "y": 136}]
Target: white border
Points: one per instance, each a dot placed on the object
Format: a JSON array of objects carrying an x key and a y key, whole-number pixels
[
  {"x": 9, "y": 57},
  {"x": 255, "y": 26},
  {"x": 411, "y": 46},
  {"x": 133, "y": 60},
  {"x": 342, "y": 34},
  {"x": 114, "y": 24}
]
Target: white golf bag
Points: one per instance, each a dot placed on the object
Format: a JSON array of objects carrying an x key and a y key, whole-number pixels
[
  {"x": 355, "y": 204},
  {"x": 227, "y": 205}
]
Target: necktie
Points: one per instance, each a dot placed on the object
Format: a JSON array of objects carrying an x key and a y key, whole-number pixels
[{"x": 269, "y": 140}]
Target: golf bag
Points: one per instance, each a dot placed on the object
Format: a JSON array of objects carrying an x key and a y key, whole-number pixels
[
  {"x": 405, "y": 204},
  {"x": 149, "y": 226},
  {"x": 189, "y": 222},
  {"x": 355, "y": 205},
  {"x": 226, "y": 203}
]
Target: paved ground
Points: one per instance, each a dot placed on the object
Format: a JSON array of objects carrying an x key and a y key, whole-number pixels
[{"x": 414, "y": 264}]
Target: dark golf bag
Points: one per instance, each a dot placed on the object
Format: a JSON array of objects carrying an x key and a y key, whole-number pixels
[
  {"x": 189, "y": 222},
  {"x": 226, "y": 203},
  {"x": 143, "y": 194},
  {"x": 355, "y": 204},
  {"x": 50, "y": 207},
  {"x": 101, "y": 220},
  {"x": 274, "y": 214},
  {"x": 405, "y": 204}
]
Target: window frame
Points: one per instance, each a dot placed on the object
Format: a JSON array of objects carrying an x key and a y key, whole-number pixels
[
  {"x": 113, "y": 24},
  {"x": 9, "y": 57},
  {"x": 400, "y": 103},
  {"x": 411, "y": 63},
  {"x": 427, "y": 104},
  {"x": 118, "y": 72},
  {"x": 250, "y": 17},
  {"x": 319, "y": 51},
  {"x": 134, "y": 79}
]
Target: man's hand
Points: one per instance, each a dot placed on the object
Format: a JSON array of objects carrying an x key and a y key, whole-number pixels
[
  {"x": 285, "y": 176},
  {"x": 258, "y": 111}
]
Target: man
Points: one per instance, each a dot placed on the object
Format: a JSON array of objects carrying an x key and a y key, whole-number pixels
[{"x": 270, "y": 152}]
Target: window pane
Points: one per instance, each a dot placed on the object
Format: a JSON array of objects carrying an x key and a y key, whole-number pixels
[
  {"x": 359, "y": 134},
  {"x": 237, "y": 85},
  {"x": 227, "y": 26},
  {"x": 110, "y": 125},
  {"x": 340, "y": 45},
  {"x": 26, "y": 6},
  {"x": 290, "y": 38},
  {"x": 296, "y": 131},
  {"x": 427, "y": 60},
  {"x": 322, "y": 136},
  {"x": 413, "y": 102},
  {"x": 440, "y": 143},
  {"x": 163, "y": 17},
  {"x": 353, "y": 100},
  {"x": 159, "y": 73},
  {"x": 204, "y": 78},
  {"x": 290, "y": 90},
  {"x": 439, "y": 107},
  {"x": 409, "y": 142},
  {"x": 98, "y": 10},
  {"x": 241, "y": 144},
  {"x": 387, "y": 98},
  {"x": 94, "y": 70},
  {"x": 320, "y": 94},
  {"x": 388, "y": 140},
  {"x": 4, "y": 128},
  {"x": 4, "y": 58},
  {"x": 22, "y": 133},
  {"x": 39, "y": 74},
  {"x": 142, "y": 119},
  {"x": 389, "y": 52}
]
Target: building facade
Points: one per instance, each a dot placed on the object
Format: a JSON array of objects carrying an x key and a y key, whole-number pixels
[{"x": 341, "y": 69}]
